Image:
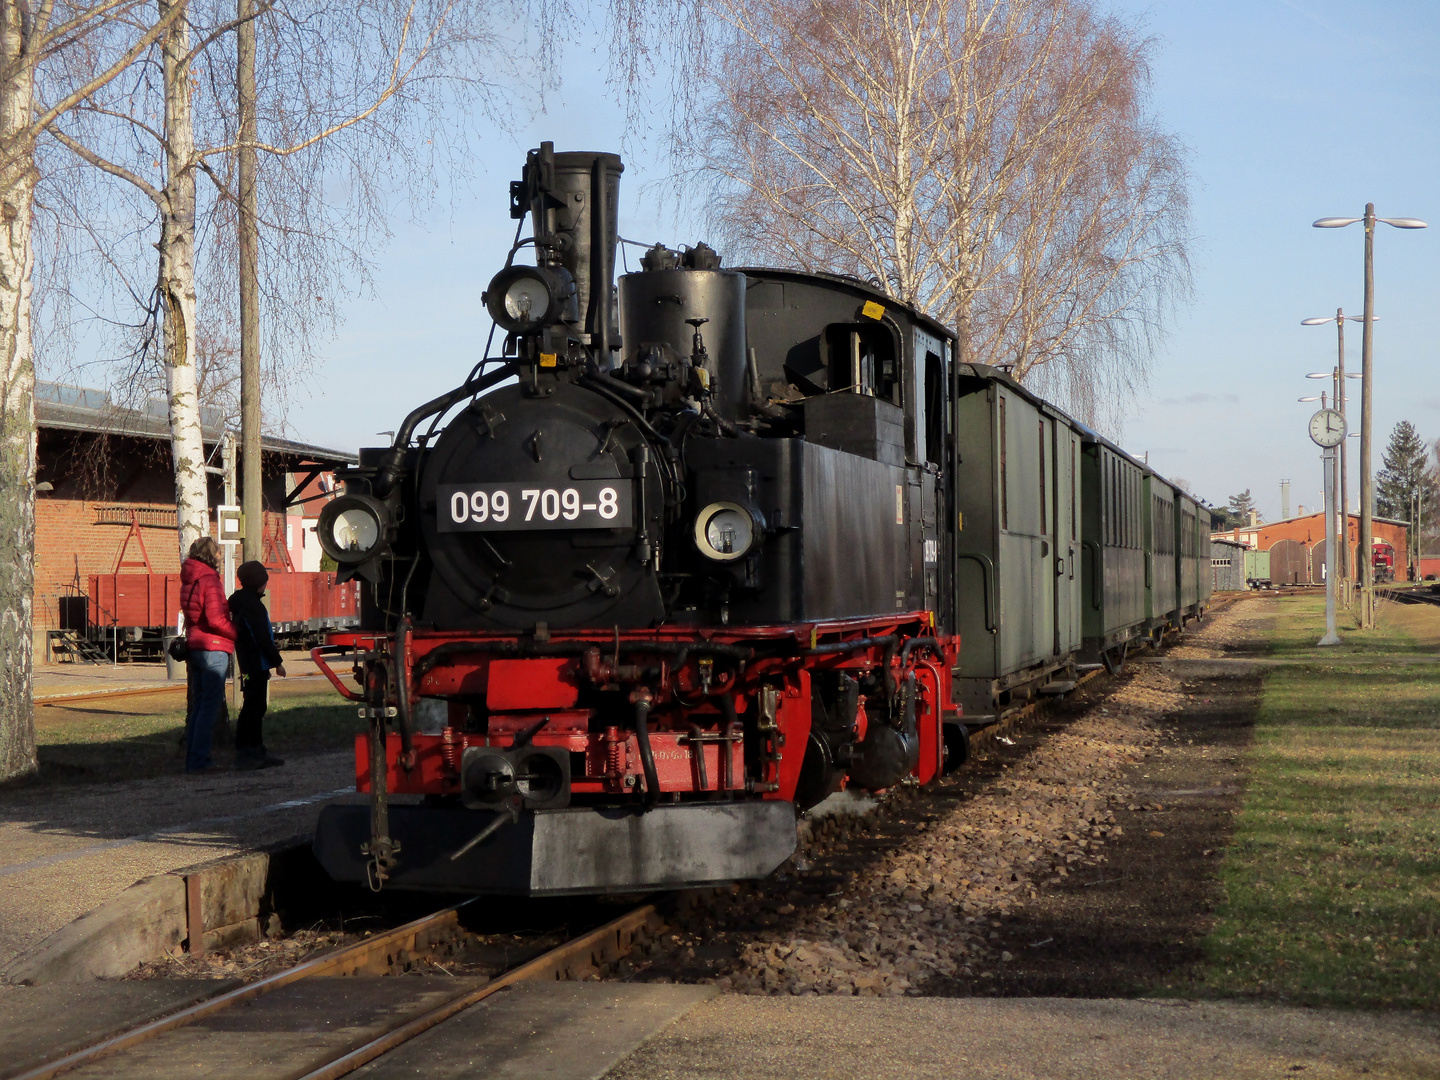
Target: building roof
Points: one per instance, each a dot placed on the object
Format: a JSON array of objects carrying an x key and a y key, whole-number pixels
[
  {"x": 78, "y": 408},
  {"x": 1354, "y": 516}
]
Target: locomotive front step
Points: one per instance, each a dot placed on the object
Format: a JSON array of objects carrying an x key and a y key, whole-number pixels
[{"x": 575, "y": 850}]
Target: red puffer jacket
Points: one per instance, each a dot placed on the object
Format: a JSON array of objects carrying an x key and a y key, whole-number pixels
[{"x": 207, "y": 615}]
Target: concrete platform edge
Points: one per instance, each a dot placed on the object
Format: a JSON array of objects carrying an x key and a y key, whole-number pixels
[{"x": 150, "y": 919}]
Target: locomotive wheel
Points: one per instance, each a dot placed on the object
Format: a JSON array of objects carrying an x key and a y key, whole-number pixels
[{"x": 957, "y": 746}]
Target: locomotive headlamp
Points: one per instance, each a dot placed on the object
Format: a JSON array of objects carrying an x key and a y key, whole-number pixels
[
  {"x": 525, "y": 298},
  {"x": 725, "y": 531},
  {"x": 352, "y": 528}
]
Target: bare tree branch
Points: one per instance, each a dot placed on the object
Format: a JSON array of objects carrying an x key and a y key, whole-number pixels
[{"x": 86, "y": 154}]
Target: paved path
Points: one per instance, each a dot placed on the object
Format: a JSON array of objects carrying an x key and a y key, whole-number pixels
[
  {"x": 758, "y": 1038},
  {"x": 65, "y": 851}
]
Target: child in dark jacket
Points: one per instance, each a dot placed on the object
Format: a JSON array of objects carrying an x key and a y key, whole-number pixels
[{"x": 257, "y": 657}]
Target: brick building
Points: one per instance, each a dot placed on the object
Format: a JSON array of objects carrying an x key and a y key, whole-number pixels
[
  {"x": 107, "y": 495},
  {"x": 1297, "y": 545}
]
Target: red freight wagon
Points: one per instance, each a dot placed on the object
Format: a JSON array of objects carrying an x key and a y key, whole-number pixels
[
  {"x": 142, "y": 607},
  {"x": 128, "y": 600},
  {"x": 311, "y": 600}
]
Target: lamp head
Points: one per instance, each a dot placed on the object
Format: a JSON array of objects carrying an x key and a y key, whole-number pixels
[{"x": 1336, "y": 222}]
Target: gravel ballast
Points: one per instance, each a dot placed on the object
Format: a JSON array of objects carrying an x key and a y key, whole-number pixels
[{"x": 857, "y": 915}]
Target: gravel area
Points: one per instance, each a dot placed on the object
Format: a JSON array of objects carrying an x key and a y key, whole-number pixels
[{"x": 920, "y": 896}]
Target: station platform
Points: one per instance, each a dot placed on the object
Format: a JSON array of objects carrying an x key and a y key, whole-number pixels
[
  {"x": 66, "y": 850},
  {"x": 820, "y": 1038}
]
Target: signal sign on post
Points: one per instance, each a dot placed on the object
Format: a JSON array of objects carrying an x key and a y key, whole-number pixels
[{"x": 229, "y": 524}]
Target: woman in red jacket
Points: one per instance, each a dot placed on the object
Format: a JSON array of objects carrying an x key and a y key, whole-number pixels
[{"x": 210, "y": 638}]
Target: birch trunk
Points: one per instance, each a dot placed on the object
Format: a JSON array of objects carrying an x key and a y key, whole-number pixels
[
  {"x": 17, "y": 404},
  {"x": 177, "y": 285}
]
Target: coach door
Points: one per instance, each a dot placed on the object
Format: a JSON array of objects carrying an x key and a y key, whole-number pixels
[{"x": 1066, "y": 539}]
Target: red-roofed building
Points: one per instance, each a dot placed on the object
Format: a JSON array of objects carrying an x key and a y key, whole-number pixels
[{"x": 1297, "y": 545}]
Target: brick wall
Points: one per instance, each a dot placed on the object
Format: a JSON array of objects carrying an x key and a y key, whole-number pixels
[{"x": 70, "y": 546}]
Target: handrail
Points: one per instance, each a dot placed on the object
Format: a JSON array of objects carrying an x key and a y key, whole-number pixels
[
  {"x": 325, "y": 670},
  {"x": 987, "y": 575}
]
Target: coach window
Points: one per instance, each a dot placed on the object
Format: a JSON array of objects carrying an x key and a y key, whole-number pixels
[
  {"x": 1124, "y": 504},
  {"x": 1112, "y": 476},
  {"x": 1074, "y": 485},
  {"x": 1125, "y": 512},
  {"x": 1108, "y": 488},
  {"x": 1134, "y": 509},
  {"x": 1004, "y": 477},
  {"x": 1042, "y": 478}
]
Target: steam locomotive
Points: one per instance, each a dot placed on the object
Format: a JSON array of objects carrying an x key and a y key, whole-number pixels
[{"x": 695, "y": 552}]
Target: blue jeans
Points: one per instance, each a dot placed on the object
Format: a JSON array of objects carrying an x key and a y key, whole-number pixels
[{"x": 207, "y": 670}]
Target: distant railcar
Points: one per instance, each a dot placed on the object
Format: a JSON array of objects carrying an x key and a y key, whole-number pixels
[
  {"x": 134, "y": 613},
  {"x": 1257, "y": 568},
  {"x": 1383, "y": 561}
]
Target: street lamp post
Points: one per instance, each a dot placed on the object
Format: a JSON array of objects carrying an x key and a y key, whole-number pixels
[{"x": 1367, "y": 492}]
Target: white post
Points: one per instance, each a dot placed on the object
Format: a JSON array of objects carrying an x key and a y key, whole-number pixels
[
  {"x": 1331, "y": 637},
  {"x": 227, "y": 462}
]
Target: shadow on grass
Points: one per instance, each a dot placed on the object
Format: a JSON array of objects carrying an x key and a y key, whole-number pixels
[{"x": 101, "y": 746}]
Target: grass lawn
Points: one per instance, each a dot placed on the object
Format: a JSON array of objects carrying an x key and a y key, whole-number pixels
[
  {"x": 1333, "y": 878},
  {"x": 141, "y": 736}
]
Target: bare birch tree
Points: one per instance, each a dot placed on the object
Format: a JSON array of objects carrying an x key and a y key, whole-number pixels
[
  {"x": 990, "y": 161},
  {"x": 355, "y": 71},
  {"x": 32, "y": 38}
]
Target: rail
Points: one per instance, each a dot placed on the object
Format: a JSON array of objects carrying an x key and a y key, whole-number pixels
[
  {"x": 84, "y": 697},
  {"x": 572, "y": 959},
  {"x": 1415, "y": 594}
]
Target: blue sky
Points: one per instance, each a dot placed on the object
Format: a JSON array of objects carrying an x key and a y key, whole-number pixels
[{"x": 1291, "y": 111}]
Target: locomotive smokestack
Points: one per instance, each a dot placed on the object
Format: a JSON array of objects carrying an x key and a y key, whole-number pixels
[{"x": 573, "y": 202}]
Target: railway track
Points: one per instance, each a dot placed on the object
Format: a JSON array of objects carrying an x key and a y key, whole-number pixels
[
  {"x": 400, "y": 1010},
  {"x": 986, "y": 736},
  {"x": 1416, "y": 595},
  {"x": 85, "y": 697}
]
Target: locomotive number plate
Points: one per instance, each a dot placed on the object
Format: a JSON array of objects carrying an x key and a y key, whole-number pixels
[{"x": 580, "y": 504}]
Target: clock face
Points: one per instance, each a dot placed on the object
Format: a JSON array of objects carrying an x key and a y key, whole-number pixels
[{"x": 1327, "y": 428}]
